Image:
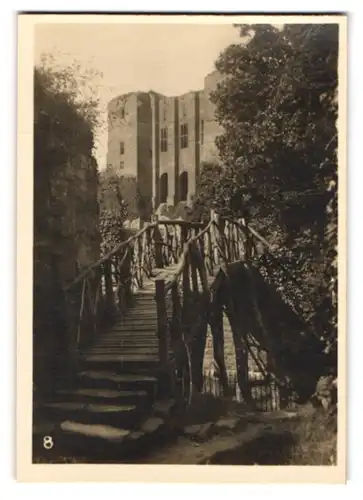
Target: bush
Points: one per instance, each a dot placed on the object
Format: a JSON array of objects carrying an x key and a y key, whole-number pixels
[{"x": 315, "y": 440}]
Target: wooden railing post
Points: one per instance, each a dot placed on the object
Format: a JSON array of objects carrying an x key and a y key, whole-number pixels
[
  {"x": 149, "y": 251},
  {"x": 186, "y": 278},
  {"x": 110, "y": 303},
  {"x": 210, "y": 251},
  {"x": 162, "y": 322},
  {"x": 142, "y": 249},
  {"x": 247, "y": 240},
  {"x": 168, "y": 246},
  {"x": 236, "y": 254},
  {"x": 202, "y": 270},
  {"x": 217, "y": 329},
  {"x": 218, "y": 242},
  {"x": 177, "y": 339},
  {"x": 193, "y": 267},
  {"x": 226, "y": 239},
  {"x": 202, "y": 247},
  {"x": 158, "y": 242},
  {"x": 221, "y": 241},
  {"x": 90, "y": 307},
  {"x": 176, "y": 314},
  {"x": 126, "y": 272},
  {"x": 213, "y": 231}
]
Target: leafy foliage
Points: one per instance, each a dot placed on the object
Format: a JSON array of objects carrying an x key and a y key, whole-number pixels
[
  {"x": 113, "y": 210},
  {"x": 66, "y": 108},
  {"x": 120, "y": 200},
  {"x": 277, "y": 105}
]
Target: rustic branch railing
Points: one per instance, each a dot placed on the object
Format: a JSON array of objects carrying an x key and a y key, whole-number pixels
[
  {"x": 208, "y": 248},
  {"x": 208, "y": 251},
  {"x": 183, "y": 330},
  {"x": 185, "y": 305},
  {"x": 105, "y": 290}
]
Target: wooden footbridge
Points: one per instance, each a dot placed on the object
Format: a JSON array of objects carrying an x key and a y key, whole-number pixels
[{"x": 137, "y": 326}]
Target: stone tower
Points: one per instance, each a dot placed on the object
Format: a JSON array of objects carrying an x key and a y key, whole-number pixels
[{"x": 160, "y": 142}]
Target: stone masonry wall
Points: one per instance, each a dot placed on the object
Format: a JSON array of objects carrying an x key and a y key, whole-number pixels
[{"x": 66, "y": 240}]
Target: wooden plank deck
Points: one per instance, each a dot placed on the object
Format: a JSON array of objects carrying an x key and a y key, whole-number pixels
[{"x": 133, "y": 339}]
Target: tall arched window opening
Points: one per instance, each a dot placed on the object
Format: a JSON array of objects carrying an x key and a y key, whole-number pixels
[
  {"x": 163, "y": 188},
  {"x": 183, "y": 186}
]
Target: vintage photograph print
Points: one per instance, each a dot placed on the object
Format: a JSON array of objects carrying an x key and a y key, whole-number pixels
[{"x": 178, "y": 182}]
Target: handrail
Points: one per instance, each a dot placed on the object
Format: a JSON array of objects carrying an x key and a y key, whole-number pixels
[
  {"x": 106, "y": 257},
  {"x": 174, "y": 222},
  {"x": 183, "y": 257},
  {"x": 125, "y": 243}
]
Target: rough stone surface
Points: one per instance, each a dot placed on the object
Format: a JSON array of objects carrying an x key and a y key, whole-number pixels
[
  {"x": 205, "y": 430},
  {"x": 199, "y": 431},
  {"x": 257, "y": 445},
  {"x": 164, "y": 408},
  {"x": 227, "y": 423},
  {"x": 268, "y": 416},
  {"x": 152, "y": 424},
  {"x": 187, "y": 452},
  {"x": 136, "y": 435},
  {"x": 192, "y": 430},
  {"x": 66, "y": 240},
  {"x": 106, "y": 432}
]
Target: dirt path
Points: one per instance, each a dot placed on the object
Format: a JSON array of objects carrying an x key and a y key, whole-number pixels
[{"x": 185, "y": 451}]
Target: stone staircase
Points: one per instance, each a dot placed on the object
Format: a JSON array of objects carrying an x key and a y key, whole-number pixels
[
  {"x": 108, "y": 416},
  {"x": 115, "y": 408}
]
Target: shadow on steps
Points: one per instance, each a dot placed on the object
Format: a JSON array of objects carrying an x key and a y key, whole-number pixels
[
  {"x": 78, "y": 449},
  {"x": 266, "y": 449}
]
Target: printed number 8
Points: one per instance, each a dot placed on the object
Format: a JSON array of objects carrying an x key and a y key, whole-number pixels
[{"x": 48, "y": 442}]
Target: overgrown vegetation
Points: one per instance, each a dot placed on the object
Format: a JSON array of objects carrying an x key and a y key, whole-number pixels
[
  {"x": 118, "y": 198},
  {"x": 277, "y": 103},
  {"x": 113, "y": 211},
  {"x": 315, "y": 440},
  {"x": 66, "y": 235}
]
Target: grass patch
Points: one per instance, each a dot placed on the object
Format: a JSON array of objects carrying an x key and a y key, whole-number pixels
[{"x": 315, "y": 438}]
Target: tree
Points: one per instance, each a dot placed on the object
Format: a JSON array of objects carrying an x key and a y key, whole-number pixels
[
  {"x": 113, "y": 210},
  {"x": 277, "y": 105},
  {"x": 209, "y": 192}
]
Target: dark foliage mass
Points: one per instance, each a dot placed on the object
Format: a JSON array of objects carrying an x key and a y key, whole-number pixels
[
  {"x": 113, "y": 210},
  {"x": 277, "y": 103},
  {"x": 119, "y": 201},
  {"x": 66, "y": 235}
]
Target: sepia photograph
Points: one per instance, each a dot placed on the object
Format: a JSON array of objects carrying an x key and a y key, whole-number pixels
[{"x": 185, "y": 208}]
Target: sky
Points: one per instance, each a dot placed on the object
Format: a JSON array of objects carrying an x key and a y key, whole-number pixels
[{"x": 168, "y": 58}]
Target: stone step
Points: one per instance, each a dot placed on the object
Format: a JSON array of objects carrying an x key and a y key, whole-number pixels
[
  {"x": 121, "y": 351},
  {"x": 121, "y": 363},
  {"x": 119, "y": 344},
  {"x": 116, "y": 381},
  {"x": 128, "y": 341},
  {"x": 143, "y": 328},
  {"x": 150, "y": 336},
  {"x": 105, "y": 432},
  {"x": 142, "y": 324},
  {"x": 130, "y": 334},
  {"x": 107, "y": 443},
  {"x": 104, "y": 396},
  {"x": 127, "y": 416}
]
